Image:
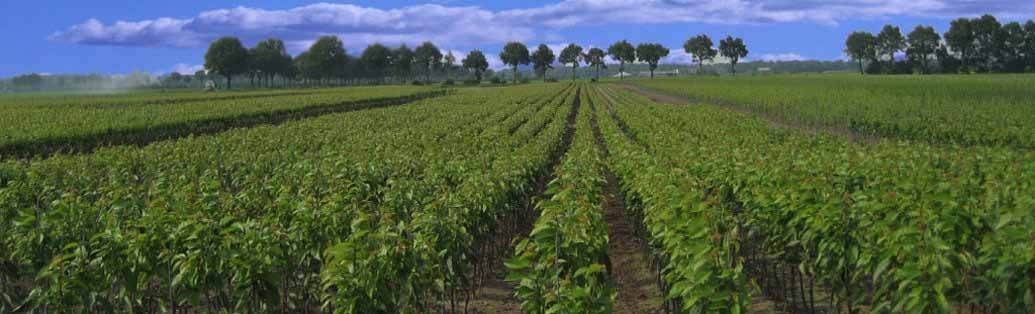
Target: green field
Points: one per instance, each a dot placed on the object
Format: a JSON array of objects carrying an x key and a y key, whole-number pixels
[
  {"x": 749, "y": 194},
  {"x": 996, "y": 110}
]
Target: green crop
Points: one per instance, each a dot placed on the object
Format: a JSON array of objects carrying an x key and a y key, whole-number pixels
[{"x": 994, "y": 110}]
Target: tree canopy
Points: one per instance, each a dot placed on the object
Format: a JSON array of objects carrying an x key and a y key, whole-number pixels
[
  {"x": 923, "y": 42},
  {"x": 376, "y": 58},
  {"x": 861, "y": 46},
  {"x": 890, "y": 42},
  {"x": 514, "y": 54},
  {"x": 475, "y": 61},
  {"x": 701, "y": 47},
  {"x": 542, "y": 60},
  {"x": 227, "y": 57},
  {"x": 428, "y": 57},
  {"x": 733, "y": 49},
  {"x": 651, "y": 53},
  {"x": 623, "y": 52},
  {"x": 572, "y": 54},
  {"x": 595, "y": 58}
]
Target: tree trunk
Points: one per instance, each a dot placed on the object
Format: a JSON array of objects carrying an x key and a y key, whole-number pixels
[
  {"x": 861, "y": 67},
  {"x": 621, "y": 71},
  {"x": 733, "y": 67},
  {"x": 652, "y": 73},
  {"x": 515, "y": 74},
  {"x": 572, "y": 73},
  {"x": 228, "y": 82}
]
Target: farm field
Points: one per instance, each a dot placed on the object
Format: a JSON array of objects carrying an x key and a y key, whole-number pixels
[
  {"x": 568, "y": 197},
  {"x": 991, "y": 110},
  {"x": 68, "y": 124}
]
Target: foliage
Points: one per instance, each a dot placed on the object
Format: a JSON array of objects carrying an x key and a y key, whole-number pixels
[
  {"x": 226, "y": 56},
  {"x": 572, "y": 54},
  {"x": 475, "y": 61},
  {"x": 651, "y": 54},
  {"x": 893, "y": 226},
  {"x": 514, "y": 54},
  {"x": 733, "y": 49},
  {"x": 429, "y": 58},
  {"x": 562, "y": 266},
  {"x": 992, "y": 110},
  {"x": 623, "y": 52},
  {"x": 701, "y": 47},
  {"x": 542, "y": 60}
]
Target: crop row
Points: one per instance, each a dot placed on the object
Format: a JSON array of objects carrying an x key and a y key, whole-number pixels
[
  {"x": 689, "y": 231},
  {"x": 965, "y": 110},
  {"x": 562, "y": 266},
  {"x": 136, "y": 99},
  {"x": 248, "y": 220},
  {"x": 32, "y": 130},
  {"x": 422, "y": 259},
  {"x": 892, "y": 226}
]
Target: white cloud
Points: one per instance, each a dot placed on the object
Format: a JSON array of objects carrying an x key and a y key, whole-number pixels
[
  {"x": 781, "y": 57},
  {"x": 186, "y": 69},
  {"x": 471, "y": 25}
]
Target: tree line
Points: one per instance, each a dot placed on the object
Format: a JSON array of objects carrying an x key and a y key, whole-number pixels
[
  {"x": 326, "y": 62},
  {"x": 977, "y": 45}
]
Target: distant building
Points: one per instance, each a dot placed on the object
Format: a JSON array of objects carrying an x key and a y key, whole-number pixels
[{"x": 660, "y": 73}]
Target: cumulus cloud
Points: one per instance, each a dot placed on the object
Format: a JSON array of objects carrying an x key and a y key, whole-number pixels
[
  {"x": 776, "y": 57},
  {"x": 186, "y": 69},
  {"x": 471, "y": 25}
]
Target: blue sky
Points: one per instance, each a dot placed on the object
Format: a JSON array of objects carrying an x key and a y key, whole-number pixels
[{"x": 108, "y": 36}]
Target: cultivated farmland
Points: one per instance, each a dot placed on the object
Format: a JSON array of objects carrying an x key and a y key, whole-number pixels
[{"x": 791, "y": 194}]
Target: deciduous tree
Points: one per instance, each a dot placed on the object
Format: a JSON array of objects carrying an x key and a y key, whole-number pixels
[
  {"x": 595, "y": 58},
  {"x": 923, "y": 42},
  {"x": 402, "y": 62},
  {"x": 651, "y": 53},
  {"x": 475, "y": 61},
  {"x": 429, "y": 57},
  {"x": 623, "y": 52},
  {"x": 700, "y": 47},
  {"x": 572, "y": 54},
  {"x": 961, "y": 39},
  {"x": 861, "y": 46},
  {"x": 542, "y": 60},
  {"x": 450, "y": 61},
  {"x": 376, "y": 58},
  {"x": 328, "y": 57},
  {"x": 889, "y": 42},
  {"x": 733, "y": 49},
  {"x": 226, "y": 56},
  {"x": 514, "y": 54}
]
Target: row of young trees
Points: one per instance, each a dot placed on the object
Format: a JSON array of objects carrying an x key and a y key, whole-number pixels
[
  {"x": 701, "y": 47},
  {"x": 326, "y": 61},
  {"x": 970, "y": 45}
]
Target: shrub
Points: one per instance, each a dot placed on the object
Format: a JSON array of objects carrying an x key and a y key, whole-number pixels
[
  {"x": 472, "y": 82},
  {"x": 448, "y": 83},
  {"x": 496, "y": 80}
]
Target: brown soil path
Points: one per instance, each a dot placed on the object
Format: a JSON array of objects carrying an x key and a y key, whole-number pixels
[
  {"x": 630, "y": 268},
  {"x": 638, "y": 291}
]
